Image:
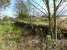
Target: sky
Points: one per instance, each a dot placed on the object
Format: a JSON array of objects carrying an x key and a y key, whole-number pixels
[
  {"x": 40, "y": 5},
  {"x": 64, "y": 5},
  {"x": 10, "y": 10}
]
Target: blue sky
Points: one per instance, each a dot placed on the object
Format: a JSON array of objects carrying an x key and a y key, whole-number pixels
[{"x": 10, "y": 10}]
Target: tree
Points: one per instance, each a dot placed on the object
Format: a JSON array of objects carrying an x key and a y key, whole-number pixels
[
  {"x": 4, "y": 3},
  {"x": 51, "y": 17},
  {"x": 21, "y": 7},
  {"x": 56, "y": 6}
]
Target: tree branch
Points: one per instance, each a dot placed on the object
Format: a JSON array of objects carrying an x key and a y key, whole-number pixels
[
  {"x": 40, "y": 6},
  {"x": 45, "y": 3},
  {"x": 58, "y": 5},
  {"x": 39, "y": 9},
  {"x": 61, "y": 11}
]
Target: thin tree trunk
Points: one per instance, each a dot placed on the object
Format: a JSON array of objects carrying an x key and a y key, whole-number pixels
[
  {"x": 55, "y": 27},
  {"x": 54, "y": 16},
  {"x": 50, "y": 24}
]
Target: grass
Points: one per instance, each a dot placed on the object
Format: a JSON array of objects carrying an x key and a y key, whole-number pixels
[
  {"x": 36, "y": 21},
  {"x": 9, "y": 36}
]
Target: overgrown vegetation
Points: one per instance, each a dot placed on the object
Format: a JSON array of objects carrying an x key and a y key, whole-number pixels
[
  {"x": 31, "y": 32},
  {"x": 9, "y": 33}
]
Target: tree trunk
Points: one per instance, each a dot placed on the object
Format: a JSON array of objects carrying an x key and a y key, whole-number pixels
[{"x": 55, "y": 27}]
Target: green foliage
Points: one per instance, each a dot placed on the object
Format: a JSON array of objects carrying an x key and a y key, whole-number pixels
[
  {"x": 22, "y": 15},
  {"x": 4, "y": 2},
  {"x": 36, "y": 21},
  {"x": 9, "y": 30},
  {"x": 21, "y": 7}
]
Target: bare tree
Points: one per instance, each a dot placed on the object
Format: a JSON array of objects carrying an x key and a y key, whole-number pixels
[{"x": 56, "y": 6}]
